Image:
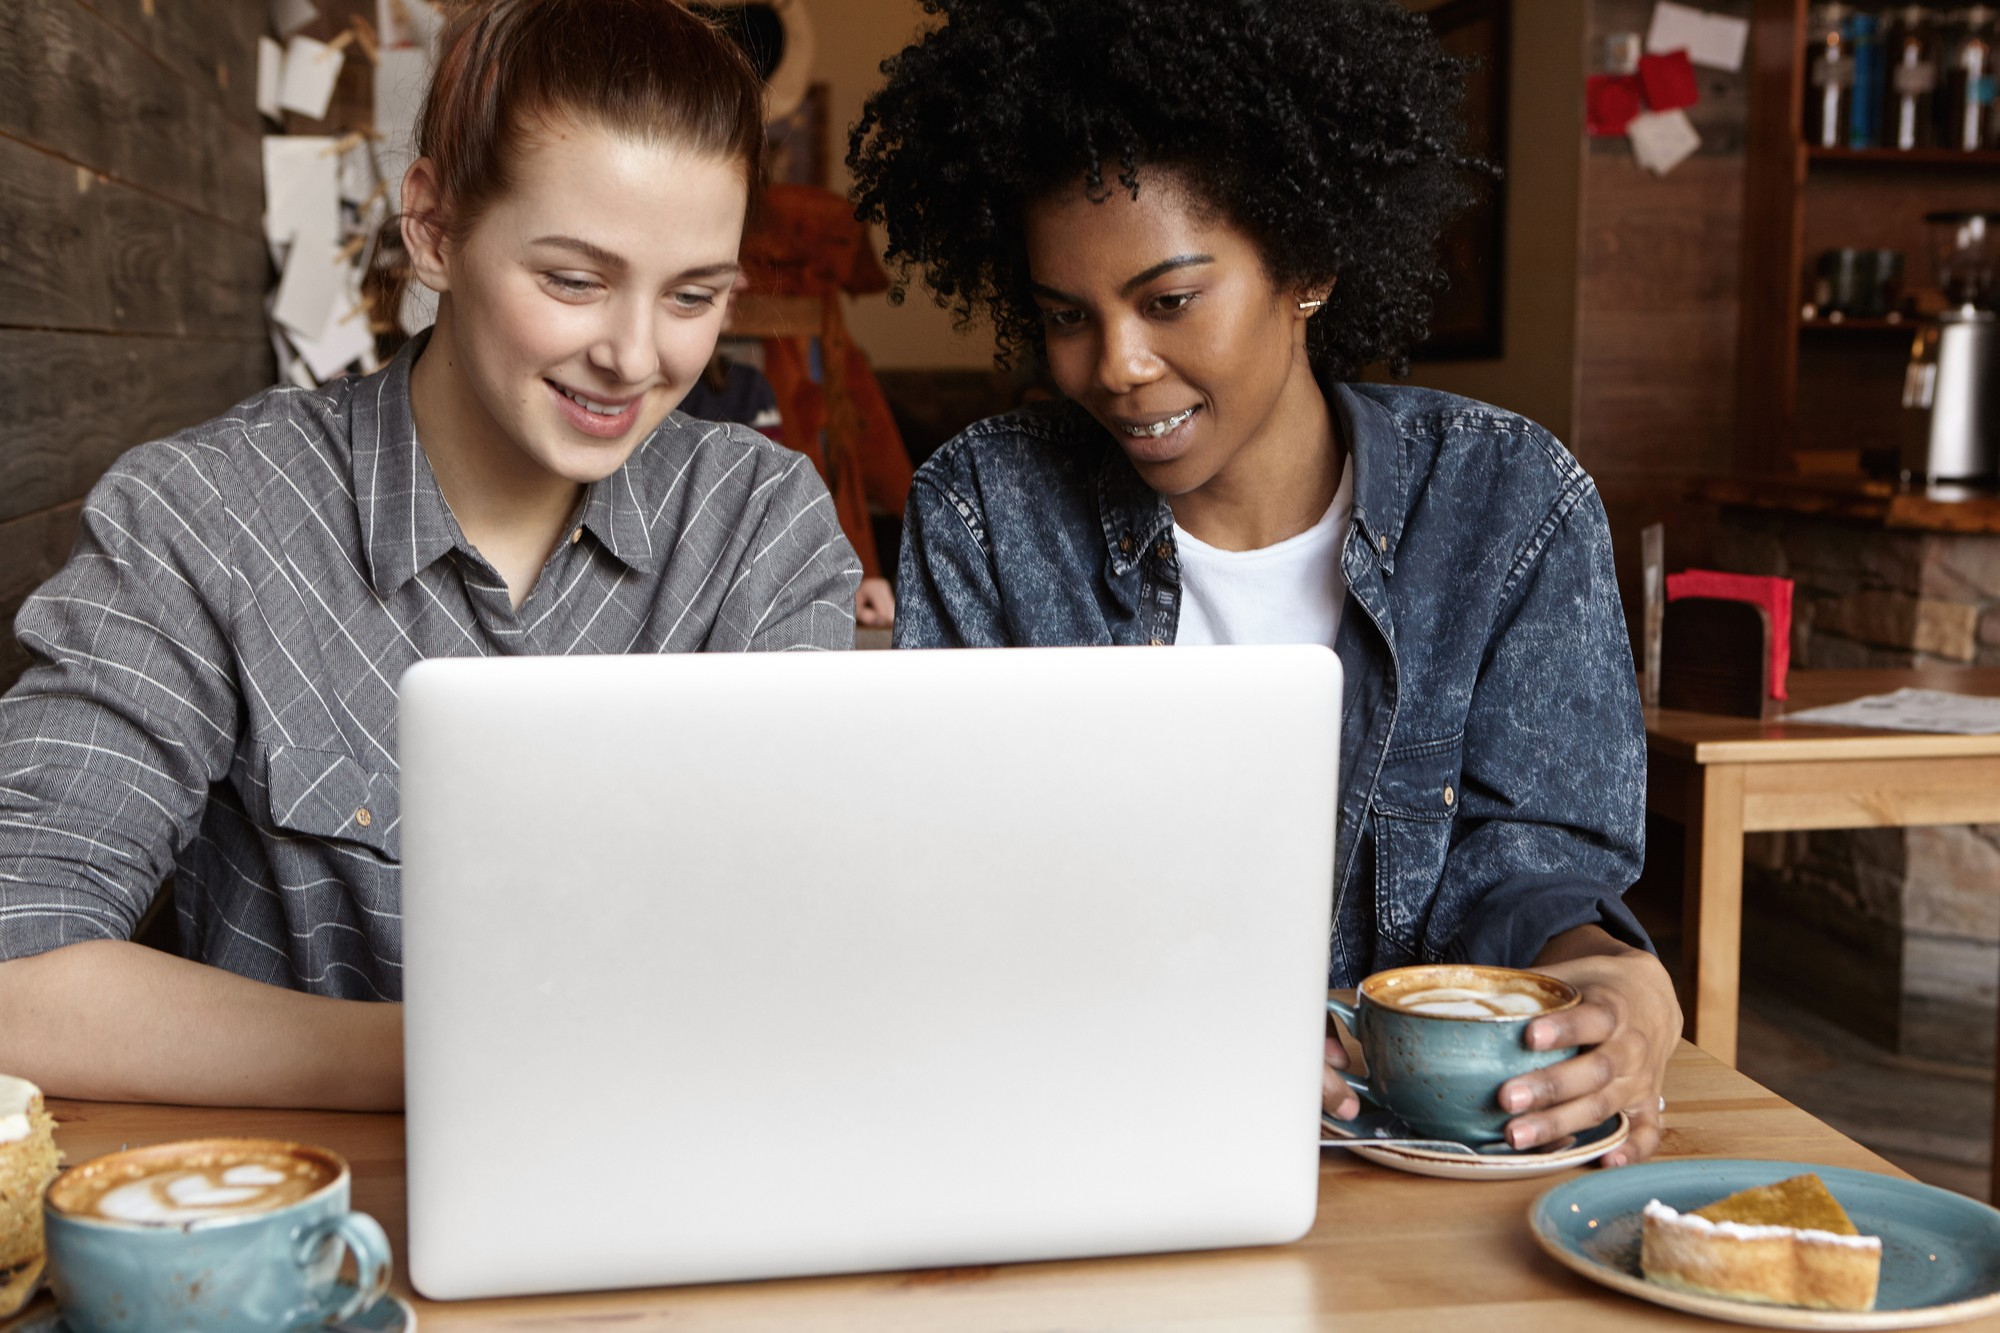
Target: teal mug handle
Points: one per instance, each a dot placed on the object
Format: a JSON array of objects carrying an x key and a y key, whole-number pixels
[
  {"x": 1349, "y": 1015},
  {"x": 368, "y": 1243}
]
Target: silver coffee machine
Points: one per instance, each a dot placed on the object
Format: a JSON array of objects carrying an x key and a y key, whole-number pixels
[{"x": 1952, "y": 389}]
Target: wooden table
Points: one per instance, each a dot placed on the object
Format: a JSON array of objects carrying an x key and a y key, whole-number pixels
[
  {"x": 1390, "y": 1252},
  {"x": 1722, "y": 777}
]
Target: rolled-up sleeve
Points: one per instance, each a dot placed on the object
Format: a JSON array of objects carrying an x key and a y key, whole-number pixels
[
  {"x": 110, "y": 741},
  {"x": 1551, "y": 825}
]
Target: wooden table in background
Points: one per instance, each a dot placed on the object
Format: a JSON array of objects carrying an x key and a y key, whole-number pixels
[
  {"x": 1390, "y": 1252},
  {"x": 1722, "y": 777}
]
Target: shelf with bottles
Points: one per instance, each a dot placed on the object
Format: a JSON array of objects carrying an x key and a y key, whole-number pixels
[{"x": 1901, "y": 79}]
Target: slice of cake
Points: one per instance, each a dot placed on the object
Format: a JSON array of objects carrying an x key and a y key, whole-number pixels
[
  {"x": 27, "y": 1165},
  {"x": 1785, "y": 1244}
]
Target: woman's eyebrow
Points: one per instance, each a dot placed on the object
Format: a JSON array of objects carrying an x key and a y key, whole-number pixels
[
  {"x": 584, "y": 248},
  {"x": 1130, "y": 284}
]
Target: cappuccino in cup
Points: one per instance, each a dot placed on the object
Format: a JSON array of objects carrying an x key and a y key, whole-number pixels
[
  {"x": 181, "y": 1183},
  {"x": 1441, "y": 1038},
  {"x": 211, "y": 1236}
]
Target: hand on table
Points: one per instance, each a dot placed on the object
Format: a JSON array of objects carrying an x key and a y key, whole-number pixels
[
  {"x": 875, "y": 604},
  {"x": 1335, "y": 1096},
  {"x": 1628, "y": 1022}
]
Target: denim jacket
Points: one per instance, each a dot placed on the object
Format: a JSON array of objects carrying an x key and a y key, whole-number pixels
[{"x": 1492, "y": 755}]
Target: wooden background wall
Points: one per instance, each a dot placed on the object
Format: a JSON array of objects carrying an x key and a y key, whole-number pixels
[
  {"x": 132, "y": 258},
  {"x": 1657, "y": 301}
]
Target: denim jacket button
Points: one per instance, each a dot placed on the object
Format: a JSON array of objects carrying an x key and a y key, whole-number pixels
[
  {"x": 1159, "y": 643},
  {"x": 1382, "y": 543},
  {"x": 1450, "y": 796},
  {"x": 1125, "y": 545},
  {"x": 1164, "y": 551}
]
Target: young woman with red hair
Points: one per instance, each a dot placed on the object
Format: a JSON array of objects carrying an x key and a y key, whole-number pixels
[{"x": 213, "y": 691}]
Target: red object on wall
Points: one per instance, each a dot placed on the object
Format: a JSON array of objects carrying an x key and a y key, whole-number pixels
[
  {"x": 1773, "y": 594},
  {"x": 1610, "y": 102},
  {"x": 1668, "y": 80}
]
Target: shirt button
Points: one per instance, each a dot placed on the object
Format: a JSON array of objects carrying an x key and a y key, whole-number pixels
[
  {"x": 1164, "y": 551},
  {"x": 1450, "y": 796},
  {"x": 1382, "y": 543},
  {"x": 576, "y": 537},
  {"x": 363, "y": 818},
  {"x": 1125, "y": 545}
]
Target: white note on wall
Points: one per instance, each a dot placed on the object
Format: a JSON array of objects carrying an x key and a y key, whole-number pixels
[
  {"x": 301, "y": 188},
  {"x": 314, "y": 280},
  {"x": 1714, "y": 40},
  {"x": 270, "y": 77},
  {"x": 288, "y": 16},
  {"x": 345, "y": 337},
  {"x": 1662, "y": 140},
  {"x": 407, "y": 23},
  {"x": 311, "y": 70},
  {"x": 402, "y": 75}
]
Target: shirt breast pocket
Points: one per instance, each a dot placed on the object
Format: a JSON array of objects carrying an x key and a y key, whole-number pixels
[
  {"x": 1416, "y": 800},
  {"x": 328, "y": 794}
]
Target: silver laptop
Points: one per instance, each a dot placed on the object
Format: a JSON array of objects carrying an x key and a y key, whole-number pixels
[{"x": 727, "y": 966}]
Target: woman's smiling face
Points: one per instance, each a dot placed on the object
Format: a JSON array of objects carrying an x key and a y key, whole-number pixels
[
  {"x": 1162, "y": 321},
  {"x": 586, "y": 299}
]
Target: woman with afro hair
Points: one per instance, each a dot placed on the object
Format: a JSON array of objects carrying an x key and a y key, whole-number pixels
[{"x": 1207, "y": 217}]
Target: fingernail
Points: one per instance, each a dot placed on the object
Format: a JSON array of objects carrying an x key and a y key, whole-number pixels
[
  {"x": 1539, "y": 1037},
  {"x": 1616, "y": 1159},
  {"x": 1349, "y": 1108},
  {"x": 1521, "y": 1136},
  {"x": 1515, "y": 1099}
]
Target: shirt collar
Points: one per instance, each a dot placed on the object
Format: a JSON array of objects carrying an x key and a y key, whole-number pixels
[
  {"x": 406, "y": 524},
  {"x": 1134, "y": 516}
]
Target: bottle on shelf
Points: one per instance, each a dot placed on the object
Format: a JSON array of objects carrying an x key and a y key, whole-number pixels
[
  {"x": 1966, "y": 119},
  {"x": 1830, "y": 75},
  {"x": 1910, "y": 52}
]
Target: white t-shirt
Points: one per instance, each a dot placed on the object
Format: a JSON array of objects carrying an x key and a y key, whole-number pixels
[{"x": 1287, "y": 593}]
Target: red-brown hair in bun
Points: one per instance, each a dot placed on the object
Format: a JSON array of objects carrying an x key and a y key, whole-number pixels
[{"x": 645, "y": 68}]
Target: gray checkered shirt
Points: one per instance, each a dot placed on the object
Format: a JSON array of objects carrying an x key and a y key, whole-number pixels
[{"x": 214, "y": 690}]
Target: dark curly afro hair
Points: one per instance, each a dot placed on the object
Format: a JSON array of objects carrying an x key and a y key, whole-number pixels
[{"x": 1327, "y": 130}]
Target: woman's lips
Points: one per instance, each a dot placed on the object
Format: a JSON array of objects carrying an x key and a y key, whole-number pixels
[{"x": 600, "y": 425}]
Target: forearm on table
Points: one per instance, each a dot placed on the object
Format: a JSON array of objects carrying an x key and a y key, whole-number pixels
[{"x": 116, "y": 1021}]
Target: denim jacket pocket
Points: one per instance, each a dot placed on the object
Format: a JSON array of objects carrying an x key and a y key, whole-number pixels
[
  {"x": 326, "y": 794},
  {"x": 1415, "y": 802}
]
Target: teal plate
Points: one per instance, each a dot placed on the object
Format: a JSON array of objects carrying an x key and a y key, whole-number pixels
[{"x": 1940, "y": 1251}]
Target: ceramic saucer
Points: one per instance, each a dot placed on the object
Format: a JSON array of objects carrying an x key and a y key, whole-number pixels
[
  {"x": 1940, "y": 1251},
  {"x": 1493, "y": 1162}
]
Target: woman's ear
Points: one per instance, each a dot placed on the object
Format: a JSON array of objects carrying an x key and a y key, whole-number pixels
[
  {"x": 1315, "y": 295},
  {"x": 423, "y": 235}
]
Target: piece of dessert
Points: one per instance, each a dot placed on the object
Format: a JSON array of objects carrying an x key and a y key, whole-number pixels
[
  {"x": 1785, "y": 1244},
  {"x": 27, "y": 1165}
]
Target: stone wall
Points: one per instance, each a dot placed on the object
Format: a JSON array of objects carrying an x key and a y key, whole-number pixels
[{"x": 1897, "y": 930}]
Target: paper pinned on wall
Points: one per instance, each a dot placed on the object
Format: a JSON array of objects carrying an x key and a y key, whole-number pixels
[
  {"x": 301, "y": 189},
  {"x": 311, "y": 70},
  {"x": 270, "y": 77},
  {"x": 1714, "y": 40},
  {"x": 315, "y": 278},
  {"x": 1662, "y": 140},
  {"x": 345, "y": 338},
  {"x": 407, "y": 23},
  {"x": 288, "y": 16},
  {"x": 357, "y": 172},
  {"x": 402, "y": 75}
]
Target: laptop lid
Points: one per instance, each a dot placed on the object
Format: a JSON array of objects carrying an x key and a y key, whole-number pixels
[{"x": 726, "y": 966}]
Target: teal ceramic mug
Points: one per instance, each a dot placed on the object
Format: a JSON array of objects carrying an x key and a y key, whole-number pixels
[
  {"x": 218, "y": 1235},
  {"x": 1440, "y": 1040}
]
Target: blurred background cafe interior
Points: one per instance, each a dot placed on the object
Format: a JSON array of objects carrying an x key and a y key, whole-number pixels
[{"x": 1740, "y": 261}]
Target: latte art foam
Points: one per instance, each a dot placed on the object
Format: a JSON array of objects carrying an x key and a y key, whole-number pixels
[
  {"x": 1462, "y": 1002},
  {"x": 169, "y": 1189}
]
